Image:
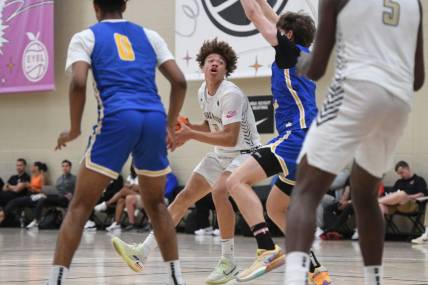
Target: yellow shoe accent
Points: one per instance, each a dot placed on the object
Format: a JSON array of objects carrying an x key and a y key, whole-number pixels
[
  {"x": 319, "y": 277},
  {"x": 266, "y": 261},
  {"x": 129, "y": 254}
]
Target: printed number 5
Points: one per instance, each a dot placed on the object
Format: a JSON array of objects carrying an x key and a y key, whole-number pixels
[
  {"x": 124, "y": 47},
  {"x": 391, "y": 17}
]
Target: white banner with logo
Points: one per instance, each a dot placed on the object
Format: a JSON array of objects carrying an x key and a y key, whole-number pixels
[{"x": 201, "y": 20}]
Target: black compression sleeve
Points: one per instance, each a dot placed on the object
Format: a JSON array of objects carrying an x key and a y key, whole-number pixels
[{"x": 287, "y": 52}]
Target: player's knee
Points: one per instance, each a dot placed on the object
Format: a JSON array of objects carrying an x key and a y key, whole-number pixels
[
  {"x": 130, "y": 199},
  {"x": 220, "y": 194},
  {"x": 183, "y": 199},
  {"x": 232, "y": 183}
]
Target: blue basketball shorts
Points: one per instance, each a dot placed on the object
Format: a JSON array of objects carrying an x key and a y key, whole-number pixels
[
  {"x": 280, "y": 155},
  {"x": 140, "y": 133}
]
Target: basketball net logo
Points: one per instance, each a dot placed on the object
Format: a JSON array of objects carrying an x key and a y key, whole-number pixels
[
  {"x": 229, "y": 16},
  {"x": 35, "y": 59}
]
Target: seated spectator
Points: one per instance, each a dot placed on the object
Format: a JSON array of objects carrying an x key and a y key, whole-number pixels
[
  {"x": 330, "y": 199},
  {"x": 16, "y": 186},
  {"x": 131, "y": 187},
  {"x": 38, "y": 178},
  {"x": 114, "y": 187},
  {"x": 134, "y": 202},
  {"x": 405, "y": 191},
  {"x": 65, "y": 185},
  {"x": 341, "y": 212}
]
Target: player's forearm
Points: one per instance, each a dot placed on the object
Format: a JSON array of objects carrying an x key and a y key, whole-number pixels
[
  {"x": 176, "y": 101},
  {"x": 251, "y": 8},
  {"x": 218, "y": 138},
  {"x": 268, "y": 11},
  {"x": 201, "y": 127},
  {"x": 77, "y": 105}
]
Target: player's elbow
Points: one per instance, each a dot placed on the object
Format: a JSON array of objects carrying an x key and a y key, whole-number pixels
[
  {"x": 78, "y": 84},
  {"x": 419, "y": 80},
  {"x": 251, "y": 13},
  {"x": 181, "y": 84},
  {"x": 316, "y": 74}
]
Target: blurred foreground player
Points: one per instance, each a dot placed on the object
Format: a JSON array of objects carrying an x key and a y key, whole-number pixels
[
  {"x": 123, "y": 57},
  {"x": 379, "y": 65}
]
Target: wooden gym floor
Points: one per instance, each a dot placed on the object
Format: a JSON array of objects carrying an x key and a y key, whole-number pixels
[{"x": 25, "y": 258}]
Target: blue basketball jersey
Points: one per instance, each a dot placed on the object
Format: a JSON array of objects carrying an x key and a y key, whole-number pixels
[
  {"x": 124, "y": 67},
  {"x": 294, "y": 98}
]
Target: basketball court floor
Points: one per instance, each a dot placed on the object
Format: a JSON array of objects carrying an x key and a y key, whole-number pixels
[{"x": 25, "y": 258}]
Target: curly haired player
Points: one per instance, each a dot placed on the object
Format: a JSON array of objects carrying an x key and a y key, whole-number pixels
[{"x": 230, "y": 126}]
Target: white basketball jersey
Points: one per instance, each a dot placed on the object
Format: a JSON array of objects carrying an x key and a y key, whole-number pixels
[
  {"x": 229, "y": 105},
  {"x": 376, "y": 42}
]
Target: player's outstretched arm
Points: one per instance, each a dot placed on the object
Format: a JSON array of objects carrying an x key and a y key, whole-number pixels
[
  {"x": 325, "y": 40},
  {"x": 176, "y": 78},
  {"x": 77, "y": 93},
  {"x": 419, "y": 59},
  {"x": 268, "y": 11},
  {"x": 254, "y": 13}
]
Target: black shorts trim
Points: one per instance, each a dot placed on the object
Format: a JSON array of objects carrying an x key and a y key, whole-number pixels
[
  {"x": 285, "y": 188},
  {"x": 271, "y": 166}
]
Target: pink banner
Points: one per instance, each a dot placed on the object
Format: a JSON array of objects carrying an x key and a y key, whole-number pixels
[{"x": 26, "y": 45}]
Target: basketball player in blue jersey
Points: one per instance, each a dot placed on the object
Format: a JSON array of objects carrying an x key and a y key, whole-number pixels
[
  {"x": 123, "y": 57},
  {"x": 380, "y": 63},
  {"x": 295, "y": 108}
]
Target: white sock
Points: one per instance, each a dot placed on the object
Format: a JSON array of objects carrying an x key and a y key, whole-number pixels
[
  {"x": 296, "y": 268},
  {"x": 149, "y": 245},
  {"x": 373, "y": 275},
  {"x": 228, "y": 248},
  {"x": 174, "y": 273},
  {"x": 426, "y": 232},
  {"x": 57, "y": 275}
]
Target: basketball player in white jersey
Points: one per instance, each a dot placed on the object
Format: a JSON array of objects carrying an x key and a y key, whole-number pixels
[
  {"x": 380, "y": 64},
  {"x": 230, "y": 126}
]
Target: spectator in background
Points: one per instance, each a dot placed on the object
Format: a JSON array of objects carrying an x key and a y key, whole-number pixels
[
  {"x": 331, "y": 198},
  {"x": 131, "y": 187},
  {"x": 134, "y": 202},
  {"x": 16, "y": 186},
  {"x": 405, "y": 191},
  {"x": 65, "y": 185},
  {"x": 38, "y": 178},
  {"x": 112, "y": 189},
  {"x": 1, "y": 184}
]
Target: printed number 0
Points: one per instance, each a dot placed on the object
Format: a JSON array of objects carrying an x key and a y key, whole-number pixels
[
  {"x": 391, "y": 17},
  {"x": 124, "y": 47}
]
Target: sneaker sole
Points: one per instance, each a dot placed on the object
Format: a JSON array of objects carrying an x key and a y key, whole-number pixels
[
  {"x": 277, "y": 262},
  {"x": 224, "y": 281},
  {"x": 131, "y": 263}
]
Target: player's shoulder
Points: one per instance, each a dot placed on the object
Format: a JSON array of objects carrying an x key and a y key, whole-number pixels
[
  {"x": 86, "y": 34},
  {"x": 152, "y": 35},
  {"x": 201, "y": 89},
  {"x": 230, "y": 88}
]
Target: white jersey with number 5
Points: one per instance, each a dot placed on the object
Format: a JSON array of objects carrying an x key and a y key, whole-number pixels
[
  {"x": 229, "y": 105},
  {"x": 376, "y": 42}
]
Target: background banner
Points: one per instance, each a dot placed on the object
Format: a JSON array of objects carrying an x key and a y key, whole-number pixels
[
  {"x": 262, "y": 107},
  {"x": 201, "y": 20},
  {"x": 26, "y": 45}
]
